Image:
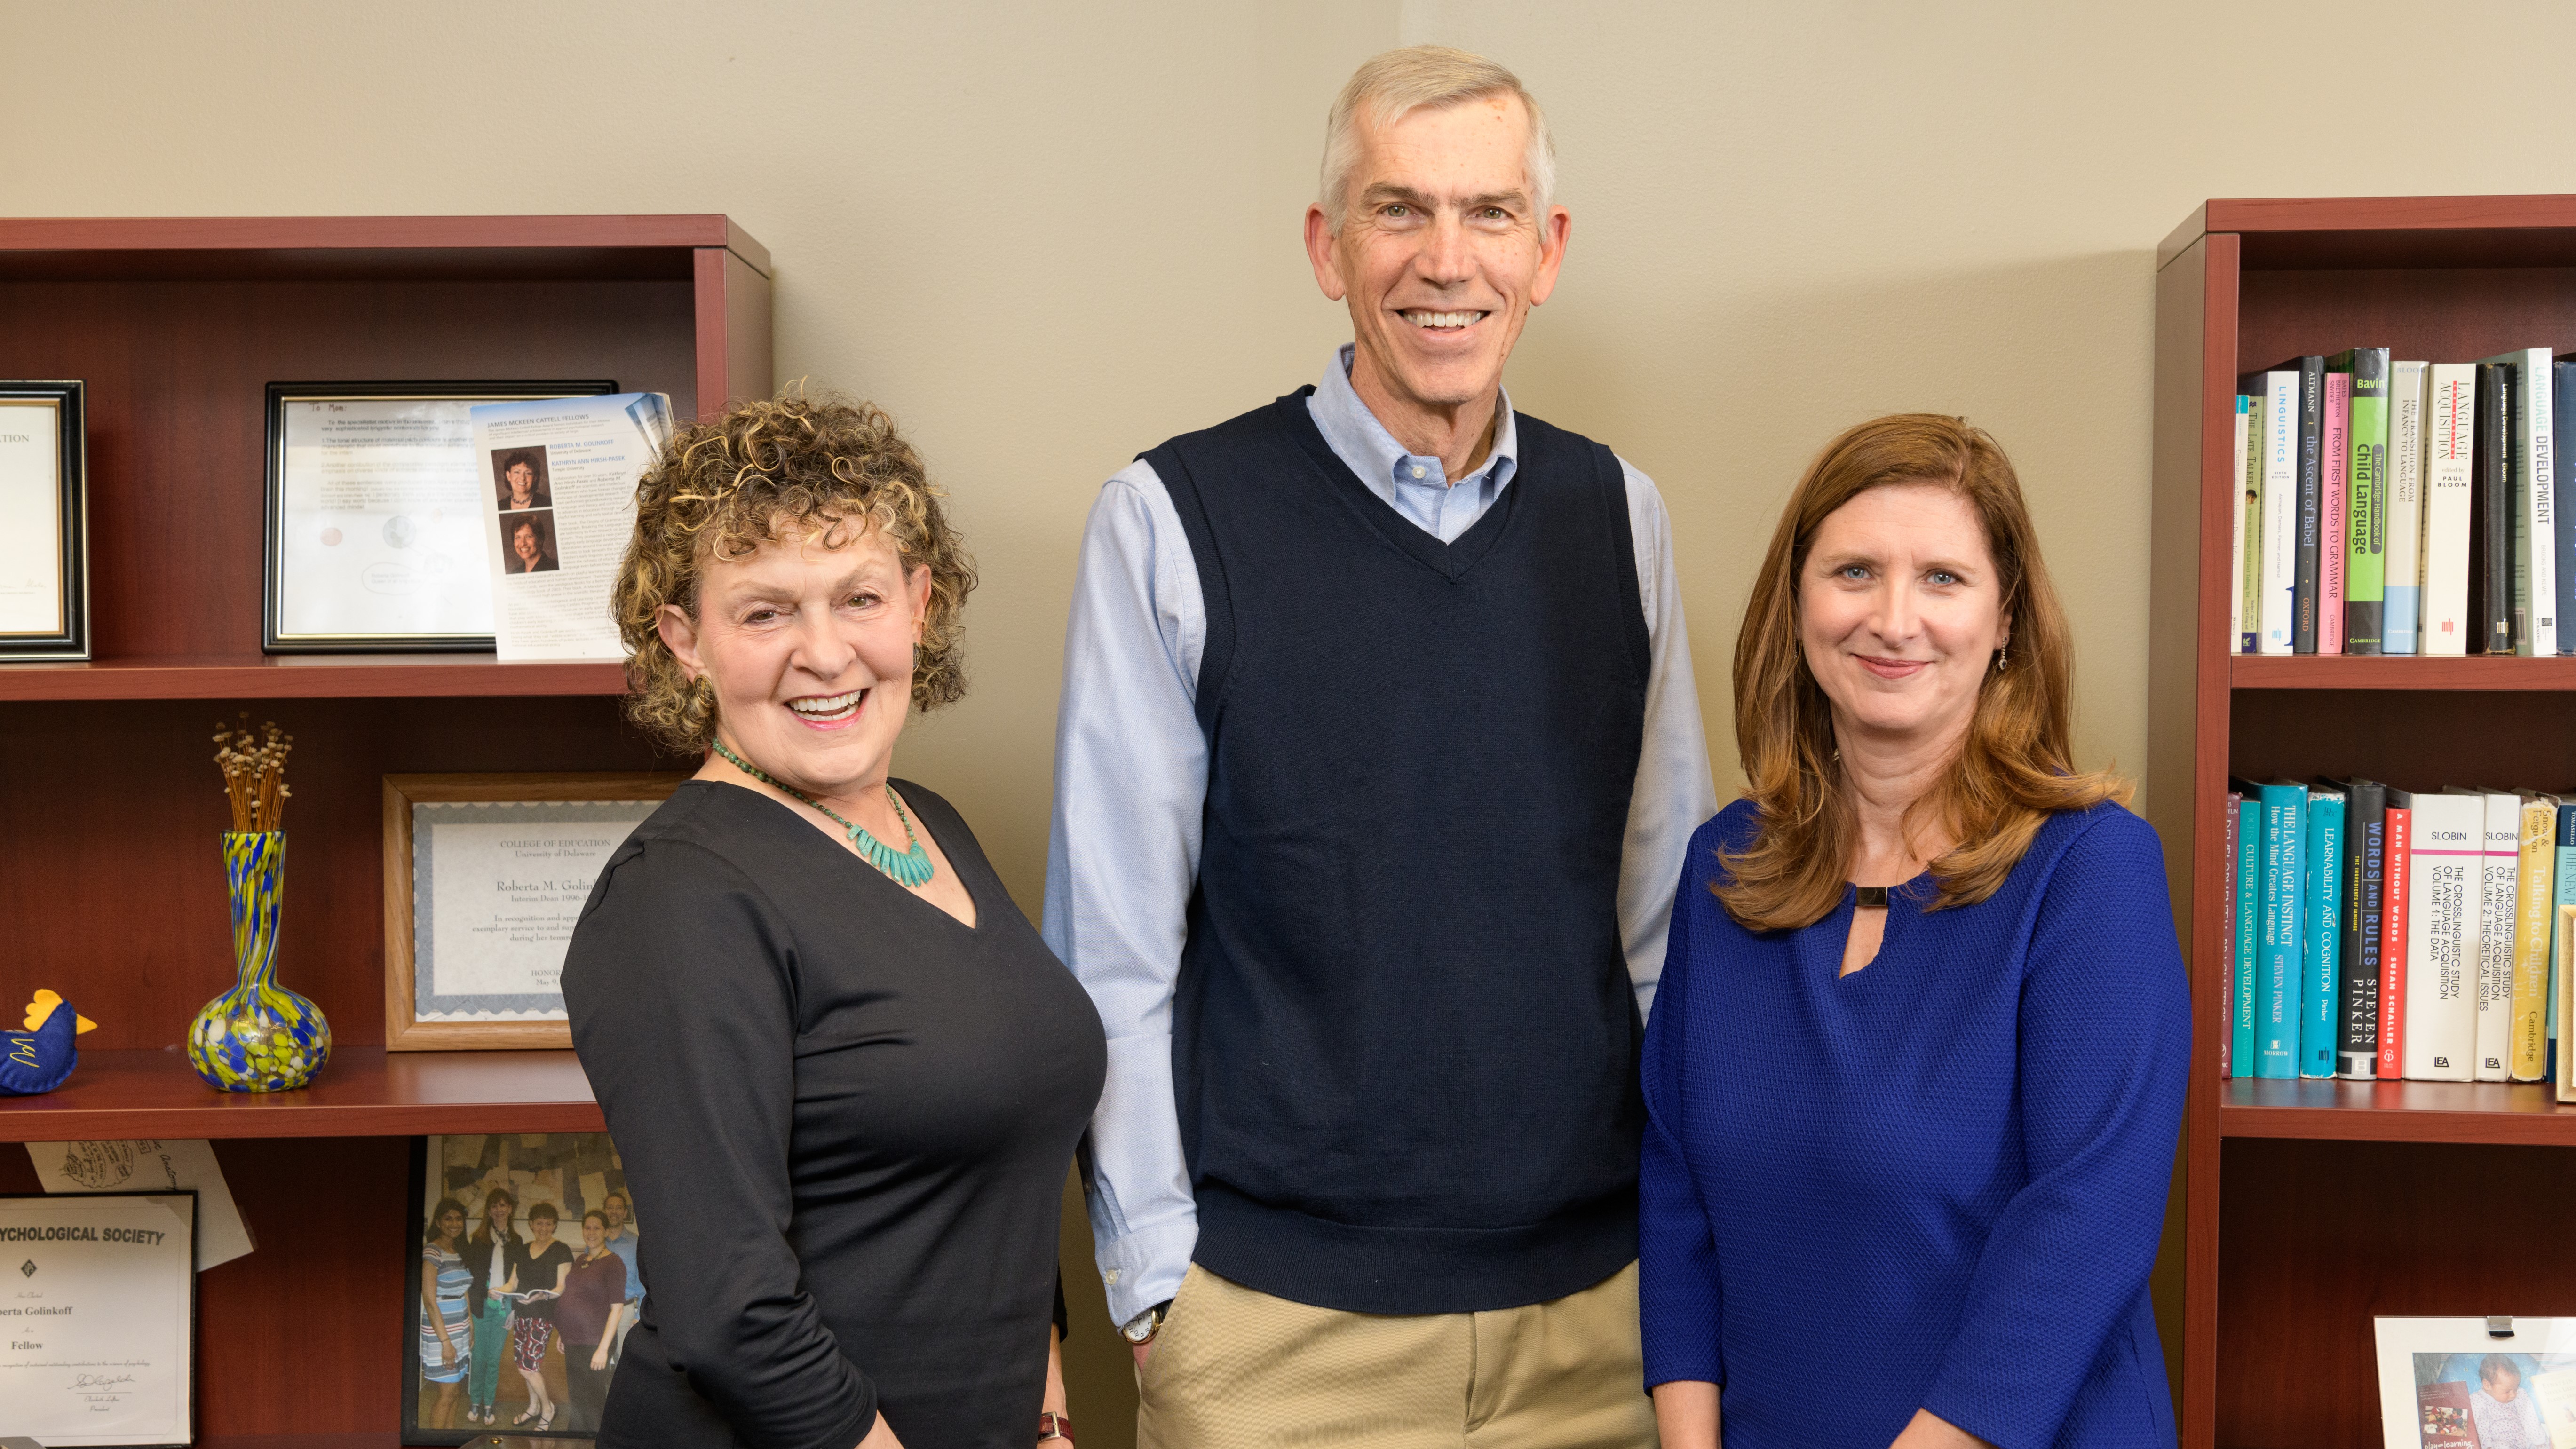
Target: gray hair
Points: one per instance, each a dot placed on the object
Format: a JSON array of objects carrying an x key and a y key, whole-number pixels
[{"x": 1391, "y": 85}]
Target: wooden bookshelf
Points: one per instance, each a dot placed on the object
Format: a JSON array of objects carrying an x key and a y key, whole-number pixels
[
  {"x": 2310, "y": 1207},
  {"x": 114, "y": 892}
]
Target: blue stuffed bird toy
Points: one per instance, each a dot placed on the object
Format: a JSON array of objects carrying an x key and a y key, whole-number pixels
[{"x": 41, "y": 1057}]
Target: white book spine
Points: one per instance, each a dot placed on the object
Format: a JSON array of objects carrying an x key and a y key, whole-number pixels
[
  {"x": 2281, "y": 509},
  {"x": 2236, "y": 510},
  {"x": 2450, "y": 441},
  {"x": 2403, "y": 613},
  {"x": 2502, "y": 841},
  {"x": 2540, "y": 515},
  {"x": 2446, "y": 865}
]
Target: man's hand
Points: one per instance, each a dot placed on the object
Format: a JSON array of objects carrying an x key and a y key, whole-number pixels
[{"x": 1141, "y": 1350}]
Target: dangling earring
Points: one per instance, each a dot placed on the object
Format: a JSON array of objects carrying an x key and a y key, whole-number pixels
[{"x": 2003, "y": 657}]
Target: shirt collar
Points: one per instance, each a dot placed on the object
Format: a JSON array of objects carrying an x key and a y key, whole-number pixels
[{"x": 1357, "y": 437}]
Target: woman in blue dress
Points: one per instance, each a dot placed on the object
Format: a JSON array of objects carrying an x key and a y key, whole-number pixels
[
  {"x": 1916, "y": 1064},
  {"x": 445, "y": 1351}
]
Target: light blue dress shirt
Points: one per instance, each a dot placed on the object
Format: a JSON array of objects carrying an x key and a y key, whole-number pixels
[{"x": 1131, "y": 786}]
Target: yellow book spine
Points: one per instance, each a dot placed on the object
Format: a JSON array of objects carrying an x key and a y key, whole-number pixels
[{"x": 2529, "y": 1039}]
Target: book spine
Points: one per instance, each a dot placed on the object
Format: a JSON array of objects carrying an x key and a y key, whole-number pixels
[
  {"x": 2321, "y": 917},
  {"x": 2245, "y": 478},
  {"x": 2537, "y": 517},
  {"x": 2450, "y": 443},
  {"x": 2312, "y": 419},
  {"x": 2246, "y": 947},
  {"x": 2392, "y": 943},
  {"x": 2280, "y": 534},
  {"x": 2535, "y": 876},
  {"x": 2494, "y": 501},
  {"x": 2227, "y": 934},
  {"x": 2404, "y": 565},
  {"x": 2445, "y": 869},
  {"x": 2562, "y": 899},
  {"x": 2285, "y": 814},
  {"x": 2503, "y": 836},
  {"x": 2335, "y": 452},
  {"x": 2562, "y": 504},
  {"x": 2366, "y": 504},
  {"x": 2365, "y": 868}
]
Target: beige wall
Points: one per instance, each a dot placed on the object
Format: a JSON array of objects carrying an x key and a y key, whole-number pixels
[{"x": 1048, "y": 236}]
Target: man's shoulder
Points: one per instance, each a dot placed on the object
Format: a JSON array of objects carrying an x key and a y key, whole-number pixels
[{"x": 1261, "y": 426}]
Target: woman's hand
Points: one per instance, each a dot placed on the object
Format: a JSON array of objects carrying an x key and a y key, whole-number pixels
[
  {"x": 1686, "y": 1414},
  {"x": 599, "y": 1358},
  {"x": 1053, "y": 1402},
  {"x": 881, "y": 1437},
  {"x": 1929, "y": 1431}
]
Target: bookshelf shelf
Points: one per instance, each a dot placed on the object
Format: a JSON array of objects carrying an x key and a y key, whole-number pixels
[
  {"x": 365, "y": 1092},
  {"x": 2267, "y": 1325},
  {"x": 2525, "y": 1113},
  {"x": 306, "y": 676},
  {"x": 117, "y": 896},
  {"x": 2476, "y": 672}
]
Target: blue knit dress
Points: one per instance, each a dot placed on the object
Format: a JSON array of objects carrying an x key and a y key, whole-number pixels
[{"x": 1935, "y": 1183}]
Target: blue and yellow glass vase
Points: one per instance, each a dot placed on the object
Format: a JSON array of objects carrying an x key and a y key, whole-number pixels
[{"x": 259, "y": 1036}]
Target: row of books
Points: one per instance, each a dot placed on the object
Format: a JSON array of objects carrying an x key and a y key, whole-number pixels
[
  {"x": 2382, "y": 933},
  {"x": 2406, "y": 507}
]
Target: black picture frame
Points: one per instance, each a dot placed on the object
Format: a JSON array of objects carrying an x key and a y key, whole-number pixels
[
  {"x": 70, "y": 644},
  {"x": 273, "y": 639},
  {"x": 582, "y": 1149},
  {"x": 196, "y": 1232}
]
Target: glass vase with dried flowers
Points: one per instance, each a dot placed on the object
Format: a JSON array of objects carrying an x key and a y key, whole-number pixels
[{"x": 259, "y": 1036}]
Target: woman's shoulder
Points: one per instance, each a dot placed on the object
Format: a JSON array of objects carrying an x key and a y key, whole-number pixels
[
  {"x": 940, "y": 816},
  {"x": 1731, "y": 830},
  {"x": 2103, "y": 847}
]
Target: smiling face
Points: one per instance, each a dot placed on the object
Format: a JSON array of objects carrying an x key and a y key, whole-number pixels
[
  {"x": 523, "y": 542},
  {"x": 808, "y": 642},
  {"x": 523, "y": 481},
  {"x": 615, "y": 1209},
  {"x": 496, "y": 1214},
  {"x": 541, "y": 1228},
  {"x": 451, "y": 1223},
  {"x": 1900, "y": 612},
  {"x": 594, "y": 1234},
  {"x": 1442, "y": 252}
]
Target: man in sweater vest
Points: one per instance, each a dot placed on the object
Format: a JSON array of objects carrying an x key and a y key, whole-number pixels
[{"x": 1378, "y": 752}]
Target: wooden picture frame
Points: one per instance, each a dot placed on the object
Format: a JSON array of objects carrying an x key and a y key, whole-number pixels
[
  {"x": 29, "y": 510},
  {"x": 405, "y": 1028}
]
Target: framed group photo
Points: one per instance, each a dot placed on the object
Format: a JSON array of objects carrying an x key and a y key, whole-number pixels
[
  {"x": 485, "y": 878},
  {"x": 2477, "y": 1383},
  {"x": 519, "y": 1285},
  {"x": 44, "y": 522},
  {"x": 376, "y": 508}
]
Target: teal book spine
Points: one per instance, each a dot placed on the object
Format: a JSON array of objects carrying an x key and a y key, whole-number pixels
[
  {"x": 2276, "y": 1020},
  {"x": 2321, "y": 936},
  {"x": 2248, "y": 945}
]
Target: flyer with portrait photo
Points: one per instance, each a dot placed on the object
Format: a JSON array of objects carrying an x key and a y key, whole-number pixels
[{"x": 560, "y": 484}]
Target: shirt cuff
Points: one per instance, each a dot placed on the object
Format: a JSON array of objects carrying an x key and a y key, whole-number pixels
[{"x": 1146, "y": 1266}]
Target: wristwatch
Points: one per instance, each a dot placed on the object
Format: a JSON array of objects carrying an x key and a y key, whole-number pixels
[
  {"x": 1140, "y": 1330},
  {"x": 1052, "y": 1425}
]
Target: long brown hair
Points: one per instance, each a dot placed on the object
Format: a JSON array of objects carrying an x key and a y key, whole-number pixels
[{"x": 2015, "y": 768}]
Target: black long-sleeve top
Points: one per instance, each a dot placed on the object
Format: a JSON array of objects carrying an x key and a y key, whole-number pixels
[{"x": 848, "y": 1118}]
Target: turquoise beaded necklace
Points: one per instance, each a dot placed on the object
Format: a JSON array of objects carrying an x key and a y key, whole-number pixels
[{"x": 906, "y": 868}]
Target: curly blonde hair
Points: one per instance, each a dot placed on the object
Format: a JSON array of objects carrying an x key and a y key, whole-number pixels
[{"x": 795, "y": 466}]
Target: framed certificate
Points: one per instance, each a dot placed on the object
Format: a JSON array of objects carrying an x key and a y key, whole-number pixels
[
  {"x": 485, "y": 876},
  {"x": 376, "y": 514},
  {"x": 98, "y": 1328},
  {"x": 44, "y": 535}
]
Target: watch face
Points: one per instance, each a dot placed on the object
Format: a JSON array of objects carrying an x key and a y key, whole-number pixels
[{"x": 1140, "y": 1329}]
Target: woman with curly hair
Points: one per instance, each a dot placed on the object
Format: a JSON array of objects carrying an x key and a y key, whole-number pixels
[
  {"x": 1916, "y": 1066},
  {"x": 843, "y": 1073}
]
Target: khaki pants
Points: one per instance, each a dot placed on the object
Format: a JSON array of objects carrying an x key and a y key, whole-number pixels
[{"x": 1238, "y": 1369}]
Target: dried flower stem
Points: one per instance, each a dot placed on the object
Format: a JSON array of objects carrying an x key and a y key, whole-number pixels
[{"x": 254, "y": 769}]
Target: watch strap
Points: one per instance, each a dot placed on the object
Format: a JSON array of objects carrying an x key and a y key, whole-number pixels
[{"x": 1052, "y": 1425}]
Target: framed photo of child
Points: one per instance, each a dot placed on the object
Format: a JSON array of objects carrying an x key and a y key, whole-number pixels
[{"x": 2477, "y": 1383}]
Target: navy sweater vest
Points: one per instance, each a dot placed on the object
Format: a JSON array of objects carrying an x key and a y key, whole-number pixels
[{"x": 1405, "y": 1044}]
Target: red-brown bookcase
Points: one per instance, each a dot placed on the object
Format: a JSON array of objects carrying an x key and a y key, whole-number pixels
[
  {"x": 2311, "y": 1207},
  {"x": 111, "y": 888}
]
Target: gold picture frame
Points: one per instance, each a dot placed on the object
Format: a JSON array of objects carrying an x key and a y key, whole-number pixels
[{"x": 569, "y": 823}]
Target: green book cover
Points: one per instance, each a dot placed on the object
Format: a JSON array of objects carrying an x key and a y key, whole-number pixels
[{"x": 2365, "y": 569}]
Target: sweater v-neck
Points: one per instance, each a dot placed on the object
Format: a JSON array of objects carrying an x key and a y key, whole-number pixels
[{"x": 1449, "y": 560}]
